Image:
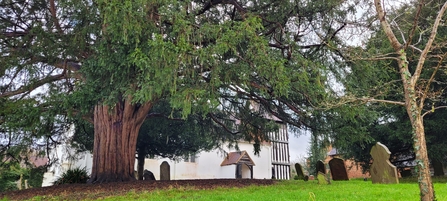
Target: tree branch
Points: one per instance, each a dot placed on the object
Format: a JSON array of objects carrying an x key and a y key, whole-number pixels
[
  {"x": 428, "y": 46},
  {"x": 386, "y": 26},
  {"x": 427, "y": 87},
  {"x": 53, "y": 15},
  {"x": 211, "y": 3},
  {"x": 415, "y": 23},
  {"x": 33, "y": 85},
  {"x": 381, "y": 101},
  {"x": 222, "y": 125},
  {"x": 433, "y": 110}
]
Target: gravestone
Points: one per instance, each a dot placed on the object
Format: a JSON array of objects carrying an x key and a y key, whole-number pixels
[
  {"x": 148, "y": 175},
  {"x": 338, "y": 169},
  {"x": 165, "y": 171},
  {"x": 306, "y": 178},
  {"x": 322, "y": 178},
  {"x": 437, "y": 168},
  {"x": 382, "y": 171},
  {"x": 320, "y": 167},
  {"x": 299, "y": 171}
]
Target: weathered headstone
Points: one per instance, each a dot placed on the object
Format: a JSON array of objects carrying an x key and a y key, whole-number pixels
[
  {"x": 306, "y": 178},
  {"x": 338, "y": 169},
  {"x": 437, "y": 168},
  {"x": 320, "y": 167},
  {"x": 299, "y": 171},
  {"x": 322, "y": 178},
  {"x": 382, "y": 171},
  {"x": 148, "y": 175},
  {"x": 165, "y": 171}
]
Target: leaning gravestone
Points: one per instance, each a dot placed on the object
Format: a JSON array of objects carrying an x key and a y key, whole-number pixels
[
  {"x": 382, "y": 171},
  {"x": 165, "y": 171},
  {"x": 148, "y": 175},
  {"x": 320, "y": 167},
  {"x": 338, "y": 169},
  {"x": 322, "y": 178},
  {"x": 299, "y": 171}
]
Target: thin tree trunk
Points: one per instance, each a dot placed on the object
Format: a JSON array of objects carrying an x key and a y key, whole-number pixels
[
  {"x": 411, "y": 99},
  {"x": 423, "y": 170},
  {"x": 140, "y": 167},
  {"x": 116, "y": 132}
]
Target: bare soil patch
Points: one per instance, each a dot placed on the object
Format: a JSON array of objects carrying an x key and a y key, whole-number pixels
[{"x": 92, "y": 191}]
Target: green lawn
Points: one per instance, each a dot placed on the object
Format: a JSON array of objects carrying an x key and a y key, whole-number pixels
[{"x": 357, "y": 190}]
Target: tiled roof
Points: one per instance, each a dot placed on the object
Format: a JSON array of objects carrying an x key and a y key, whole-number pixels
[{"x": 239, "y": 157}]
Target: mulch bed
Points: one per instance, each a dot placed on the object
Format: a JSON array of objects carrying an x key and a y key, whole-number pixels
[{"x": 92, "y": 191}]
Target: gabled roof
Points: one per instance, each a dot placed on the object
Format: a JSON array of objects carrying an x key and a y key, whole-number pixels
[{"x": 239, "y": 157}]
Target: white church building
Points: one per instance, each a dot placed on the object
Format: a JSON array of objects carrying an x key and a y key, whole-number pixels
[{"x": 273, "y": 161}]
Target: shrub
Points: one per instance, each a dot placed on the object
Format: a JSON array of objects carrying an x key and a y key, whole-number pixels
[{"x": 71, "y": 176}]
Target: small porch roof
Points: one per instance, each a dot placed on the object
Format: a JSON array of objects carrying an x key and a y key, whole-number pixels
[{"x": 239, "y": 157}]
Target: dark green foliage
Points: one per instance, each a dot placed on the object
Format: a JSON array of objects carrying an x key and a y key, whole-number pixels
[
  {"x": 35, "y": 177},
  {"x": 198, "y": 55},
  {"x": 168, "y": 135},
  {"x": 9, "y": 175},
  {"x": 72, "y": 176}
]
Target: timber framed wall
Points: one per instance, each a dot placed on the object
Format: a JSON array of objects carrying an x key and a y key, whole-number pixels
[{"x": 280, "y": 153}]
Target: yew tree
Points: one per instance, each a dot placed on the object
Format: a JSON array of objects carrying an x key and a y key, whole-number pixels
[{"x": 110, "y": 62}]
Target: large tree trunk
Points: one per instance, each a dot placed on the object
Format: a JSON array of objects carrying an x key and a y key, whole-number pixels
[{"x": 116, "y": 132}]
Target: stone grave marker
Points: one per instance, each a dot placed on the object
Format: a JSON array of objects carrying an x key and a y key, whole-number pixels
[
  {"x": 338, "y": 169},
  {"x": 320, "y": 167},
  {"x": 148, "y": 175},
  {"x": 382, "y": 171},
  {"x": 165, "y": 171},
  {"x": 299, "y": 171},
  {"x": 322, "y": 178}
]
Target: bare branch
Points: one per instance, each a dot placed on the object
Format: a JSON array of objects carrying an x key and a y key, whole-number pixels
[
  {"x": 428, "y": 46},
  {"x": 415, "y": 24},
  {"x": 386, "y": 26},
  {"x": 433, "y": 110},
  {"x": 415, "y": 48},
  {"x": 381, "y": 101},
  {"x": 427, "y": 87}
]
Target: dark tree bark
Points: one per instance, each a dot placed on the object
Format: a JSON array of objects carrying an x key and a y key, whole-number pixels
[
  {"x": 116, "y": 132},
  {"x": 140, "y": 159}
]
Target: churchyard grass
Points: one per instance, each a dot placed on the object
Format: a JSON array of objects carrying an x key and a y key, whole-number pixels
[{"x": 357, "y": 190}]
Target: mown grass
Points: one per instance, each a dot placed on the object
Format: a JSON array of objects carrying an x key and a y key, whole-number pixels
[
  {"x": 296, "y": 190},
  {"x": 357, "y": 190}
]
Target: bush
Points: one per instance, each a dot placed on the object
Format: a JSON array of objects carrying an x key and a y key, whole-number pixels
[
  {"x": 76, "y": 175},
  {"x": 296, "y": 177}
]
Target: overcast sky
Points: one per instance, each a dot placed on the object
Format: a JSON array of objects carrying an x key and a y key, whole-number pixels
[{"x": 298, "y": 146}]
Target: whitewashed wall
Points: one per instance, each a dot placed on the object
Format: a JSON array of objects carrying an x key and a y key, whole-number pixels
[{"x": 207, "y": 165}]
